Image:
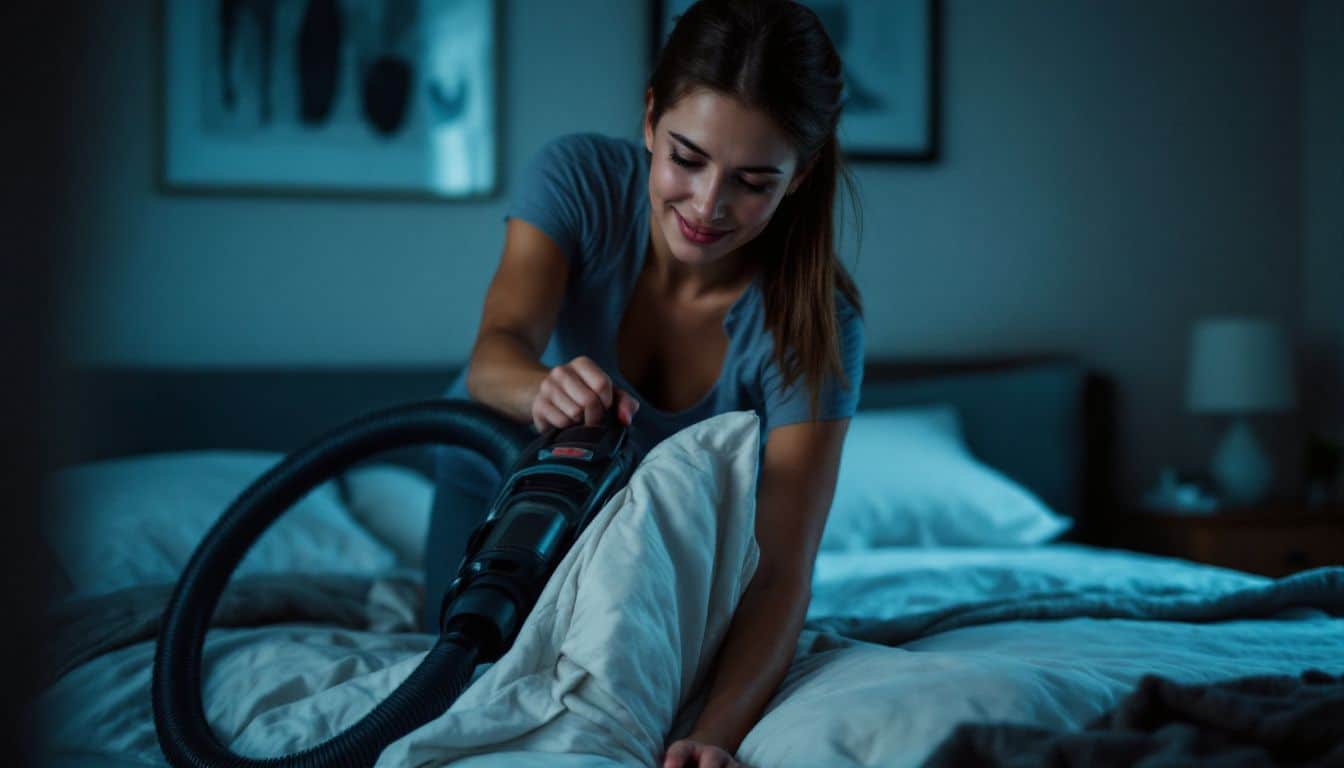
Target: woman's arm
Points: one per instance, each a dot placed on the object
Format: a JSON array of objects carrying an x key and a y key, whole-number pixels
[
  {"x": 520, "y": 311},
  {"x": 793, "y": 496},
  {"x": 521, "y": 306}
]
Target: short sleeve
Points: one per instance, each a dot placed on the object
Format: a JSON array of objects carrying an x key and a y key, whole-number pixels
[
  {"x": 552, "y": 192},
  {"x": 836, "y": 400}
]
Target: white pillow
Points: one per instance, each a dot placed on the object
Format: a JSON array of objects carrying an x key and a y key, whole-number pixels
[
  {"x": 127, "y": 522},
  {"x": 908, "y": 479},
  {"x": 392, "y": 503}
]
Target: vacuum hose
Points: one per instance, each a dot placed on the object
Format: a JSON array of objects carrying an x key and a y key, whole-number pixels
[{"x": 553, "y": 485}]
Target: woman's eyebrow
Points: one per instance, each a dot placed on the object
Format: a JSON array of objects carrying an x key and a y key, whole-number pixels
[{"x": 746, "y": 169}]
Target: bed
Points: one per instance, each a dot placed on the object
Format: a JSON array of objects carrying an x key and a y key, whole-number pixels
[{"x": 960, "y": 580}]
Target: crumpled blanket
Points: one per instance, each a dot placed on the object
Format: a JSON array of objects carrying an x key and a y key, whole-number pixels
[
  {"x": 1316, "y": 592},
  {"x": 1266, "y": 720},
  {"x": 80, "y": 630}
]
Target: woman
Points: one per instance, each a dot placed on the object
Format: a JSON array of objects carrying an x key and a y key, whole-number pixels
[{"x": 690, "y": 277}]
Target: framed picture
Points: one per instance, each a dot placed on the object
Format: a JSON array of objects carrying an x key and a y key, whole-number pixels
[
  {"x": 890, "y": 53},
  {"x": 330, "y": 97}
]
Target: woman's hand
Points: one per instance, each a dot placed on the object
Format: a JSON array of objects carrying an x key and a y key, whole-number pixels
[
  {"x": 689, "y": 753},
  {"x": 579, "y": 392}
]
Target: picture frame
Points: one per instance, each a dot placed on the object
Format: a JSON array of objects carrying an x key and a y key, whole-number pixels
[
  {"x": 891, "y": 54},
  {"x": 369, "y": 99}
]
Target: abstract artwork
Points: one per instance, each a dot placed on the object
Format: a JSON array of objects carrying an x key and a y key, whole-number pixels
[
  {"x": 890, "y": 54},
  {"x": 355, "y": 97}
]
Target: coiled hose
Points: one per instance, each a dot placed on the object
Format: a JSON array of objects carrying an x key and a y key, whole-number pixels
[{"x": 179, "y": 714}]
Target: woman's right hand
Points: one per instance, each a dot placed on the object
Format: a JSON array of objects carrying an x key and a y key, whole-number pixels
[{"x": 579, "y": 392}]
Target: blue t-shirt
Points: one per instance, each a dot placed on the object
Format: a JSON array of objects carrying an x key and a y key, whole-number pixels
[{"x": 589, "y": 193}]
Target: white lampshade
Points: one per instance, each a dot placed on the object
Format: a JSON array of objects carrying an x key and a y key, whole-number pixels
[{"x": 1238, "y": 365}]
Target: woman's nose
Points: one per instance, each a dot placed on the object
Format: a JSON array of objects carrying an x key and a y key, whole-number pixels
[{"x": 710, "y": 204}]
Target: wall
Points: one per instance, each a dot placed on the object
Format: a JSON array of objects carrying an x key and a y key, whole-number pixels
[
  {"x": 1323, "y": 216},
  {"x": 1109, "y": 173},
  {"x": 217, "y": 281}
]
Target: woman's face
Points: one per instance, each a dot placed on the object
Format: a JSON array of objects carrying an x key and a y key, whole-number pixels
[{"x": 719, "y": 171}]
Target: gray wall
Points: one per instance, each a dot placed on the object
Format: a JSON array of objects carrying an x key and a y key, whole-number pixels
[
  {"x": 218, "y": 281},
  {"x": 1110, "y": 172},
  {"x": 1323, "y": 216}
]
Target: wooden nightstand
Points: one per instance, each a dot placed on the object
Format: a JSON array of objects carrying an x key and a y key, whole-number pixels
[{"x": 1273, "y": 539}]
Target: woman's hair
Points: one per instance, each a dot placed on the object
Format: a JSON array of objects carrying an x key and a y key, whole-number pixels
[{"x": 774, "y": 55}]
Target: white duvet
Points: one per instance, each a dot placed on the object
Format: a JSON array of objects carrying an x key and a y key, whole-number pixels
[
  {"x": 609, "y": 665},
  {"x": 873, "y": 705}
]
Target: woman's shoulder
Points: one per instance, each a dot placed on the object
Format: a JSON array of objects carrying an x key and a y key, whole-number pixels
[
  {"x": 847, "y": 311},
  {"x": 593, "y": 152},
  {"x": 601, "y": 177},
  {"x": 787, "y": 402},
  {"x": 849, "y": 316}
]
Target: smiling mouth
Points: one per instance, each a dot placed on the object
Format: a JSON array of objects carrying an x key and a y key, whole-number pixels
[{"x": 697, "y": 235}]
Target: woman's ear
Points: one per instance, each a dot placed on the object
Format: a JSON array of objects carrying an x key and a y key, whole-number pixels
[{"x": 648, "y": 119}]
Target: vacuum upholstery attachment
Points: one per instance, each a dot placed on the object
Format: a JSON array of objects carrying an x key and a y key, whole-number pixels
[
  {"x": 553, "y": 486},
  {"x": 548, "y": 499}
]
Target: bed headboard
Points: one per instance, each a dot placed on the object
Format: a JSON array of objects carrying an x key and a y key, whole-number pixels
[
  {"x": 113, "y": 411},
  {"x": 1044, "y": 420}
]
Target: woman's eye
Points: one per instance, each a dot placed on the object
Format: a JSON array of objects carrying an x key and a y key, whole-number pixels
[
  {"x": 683, "y": 162},
  {"x": 686, "y": 163}
]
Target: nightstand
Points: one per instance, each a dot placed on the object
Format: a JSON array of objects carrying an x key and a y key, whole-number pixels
[{"x": 1274, "y": 539}]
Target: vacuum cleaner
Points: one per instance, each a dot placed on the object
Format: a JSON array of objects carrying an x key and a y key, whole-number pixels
[{"x": 554, "y": 484}]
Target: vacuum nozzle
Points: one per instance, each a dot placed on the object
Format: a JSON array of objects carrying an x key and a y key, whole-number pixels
[{"x": 557, "y": 486}]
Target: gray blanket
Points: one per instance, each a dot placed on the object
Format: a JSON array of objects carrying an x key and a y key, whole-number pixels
[
  {"x": 1247, "y": 722},
  {"x": 1253, "y": 721},
  {"x": 1315, "y": 592},
  {"x": 1294, "y": 713},
  {"x": 81, "y": 630}
]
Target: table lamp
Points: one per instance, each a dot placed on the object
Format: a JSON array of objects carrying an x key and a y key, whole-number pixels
[{"x": 1240, "y": 366}]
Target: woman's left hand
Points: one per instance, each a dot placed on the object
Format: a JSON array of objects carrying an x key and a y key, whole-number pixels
[{"x": 689, "y": 753}]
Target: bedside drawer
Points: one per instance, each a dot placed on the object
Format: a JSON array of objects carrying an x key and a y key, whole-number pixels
[{"x": 1272, "y": 550}]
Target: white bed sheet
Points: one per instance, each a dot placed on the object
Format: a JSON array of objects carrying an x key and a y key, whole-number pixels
[
  {"x": 856, "y": 704},
  {"x": 869, "y": 704}
]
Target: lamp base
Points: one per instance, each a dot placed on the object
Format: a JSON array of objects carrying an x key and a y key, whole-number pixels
[{"x": 1240, "y": 467}]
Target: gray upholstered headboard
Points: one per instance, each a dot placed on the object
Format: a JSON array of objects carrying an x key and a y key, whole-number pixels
[{"x": 1045, "y": 421}]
